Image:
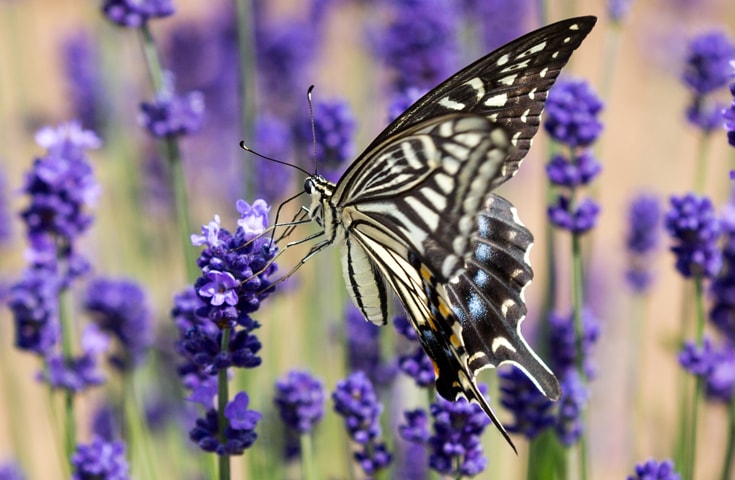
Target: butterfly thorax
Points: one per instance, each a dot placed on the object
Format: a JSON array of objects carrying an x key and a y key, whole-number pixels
[{"x": 322, "y": 210}]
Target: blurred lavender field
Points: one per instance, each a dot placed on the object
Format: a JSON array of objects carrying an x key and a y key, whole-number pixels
[{"x": 69, "y": 61}]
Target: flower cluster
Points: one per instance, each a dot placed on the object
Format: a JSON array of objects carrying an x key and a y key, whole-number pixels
[
  {"x": 654, "y": 470},
  {"x": 355, "y": 399},
  {"x": 100, "y": 459},
  {"x": 714, "y": 365},
  {"x": 300, "y": 402},
  {"x": 706, "y": 70},
  {"x": 722, "y": 289},
  {"x": 454, "y": 446},
  {"x": 729, "y": 116},
  {"x": 240, "y": 431},
  {"x": 695, "y": 229},
  {"x": 363, "y": 349},
  {"x": 120, "y": 307},
  {"x": 334, "y": 129},
  {"x": 173, "y": 115},
  {"x": 235, "y": 278},
  {"x": 415, "y": 362},
  {"x": 532, "y": 412},
  {"x": 571, "y": 118},
  {"x": 134, "y": 13},
  {"x": 61, "y": 188},
  {"x": 642, "y": 239},
  {"x": 419, "y": 43}
]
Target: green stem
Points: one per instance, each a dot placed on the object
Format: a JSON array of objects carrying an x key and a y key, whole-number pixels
[
  {"x": 307, "y": 457},
  {"x": 702, "y": 161},
  {"x": 248, "y": 85},
  {"x": 730, "y": 449},
  {"x": 577, "y": 299},
  {"x": 223, "y": 396},
  {"x": 694, "y": 413},
  {"x": 152, "y": 59},
  {"x": 178, "y": 179},
  {"x": 67, "y": 349}
]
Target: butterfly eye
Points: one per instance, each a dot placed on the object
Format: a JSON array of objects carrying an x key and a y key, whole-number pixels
[{"x": 309, "y": 186}]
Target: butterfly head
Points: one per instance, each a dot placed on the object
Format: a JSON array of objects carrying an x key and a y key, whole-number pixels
[{"x": 320, "y": 190}]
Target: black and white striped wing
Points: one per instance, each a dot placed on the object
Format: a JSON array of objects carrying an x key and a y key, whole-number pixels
[{"x": 508, "y": 86}]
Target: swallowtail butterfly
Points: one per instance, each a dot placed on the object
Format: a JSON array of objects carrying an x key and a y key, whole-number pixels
[{"x": 414, "y": 213}]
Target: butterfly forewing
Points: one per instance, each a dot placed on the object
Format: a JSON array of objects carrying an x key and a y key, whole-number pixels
[{"x": 509, "y": 86}]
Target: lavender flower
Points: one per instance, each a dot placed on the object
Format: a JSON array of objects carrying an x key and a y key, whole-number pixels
[
  {"x": 455, "y": 447},
  {"x": 11, "y": 471},
  {"x": 532, "y": 411},
  {"x": 83, "y": 77},
  {"x": 240, "y": 433},
  {"x": 644, "y": 217},
  {"x": 355, "y": 399},
  {"x": 363, "y": 349},
  {"x": 577, "y": 219},
  {"x": 571, "y": 174},
  {"x": 100, "y": 459},
  {"x": 571, "y": 114},
  {"x": 715, "y": 366},
  {"x": 707, "y": 65},
  {"x": 419, "y": 44},
  {"x": 569, "y": 425},
  {"x": 693, "y": 226},
  {"x": 300, "y": 401},
  {"x": 654, "y": 470},
  {"x": 729, "y": 116},
  {"x": 273, "y": 138},
  {"x": 134, "y": 13},
  {"x": 173, "y": 115},
  {"x": 78, "y": 373},
  {"x": 723, "y": 287},
  {"x": 500, "y": 20},
  {"x": 334, "y": 128},
  {"x": 61, "y": 185},
  {"x": 34, "y": 303},
  {"x": 563, "y": 342},
  {"x": 415, "y": 362},
  {"x": 120, "y": 308}
]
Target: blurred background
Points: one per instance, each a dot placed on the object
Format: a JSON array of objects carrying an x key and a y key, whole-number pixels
[{"x": 49, "y": 48}]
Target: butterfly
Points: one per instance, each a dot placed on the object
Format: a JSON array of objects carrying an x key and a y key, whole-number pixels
[{"x": 414, "y": 214}]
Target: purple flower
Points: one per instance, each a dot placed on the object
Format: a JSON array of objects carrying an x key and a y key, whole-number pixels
[
  {"x": 705, "y": 115},
  {"x": 121, "y": 308},
  {"x": 11, "y": 471},
  {"x": 300, "y": 401},
  {"x": 134, "y": 13},
  {"x": 618, "y": 9},
  {"x": 500, "y": 21},
  {"x": 273, "y": 138},
  {"x": 568, "y": 174},
  {"x": 569, "y": 422},
  {"x": 419, "y": 44},
  {"x": 413, "y": 360},
  {"x": 578, "y": 219},
  {"x": 723, "y": 287},
  {"x": 729, "y": 116},
  {"x": 34, "y": 302},
  {"x": 707, "y": 64},
  {"x": 235, "y": 267},
  {"x": 416, "y": 428},
  {"x": 334, "y": 129},
  {"x": 363, "y": 349},
  {"x": 571, "y": 115},
  {"x": 654, "y": 470},
  {"x": 715, "y": 365},
  {"x": 61, "y": 185},
  {"x": 563, "y": 342},
  {"x": 84, "y": 79},
  {"x": 455, "y": 447},
  {"x": 532, "y": 411},
  {"x": 642, "y": 239},
  {"x": 100, "y": 460},
  {"x": 695, "y": 229},
  {"x": 173, "y": 115},
  {"x": 355, "y": 399},
  {"x": 239, "y": 435},
  {"x": 203, "y": 349},
  {"x": 78, "y": 373}
]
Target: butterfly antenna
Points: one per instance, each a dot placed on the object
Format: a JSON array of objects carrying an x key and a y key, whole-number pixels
[
  {"x": 250, "y": 150},
  {"x": 313, "y": 126}
]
